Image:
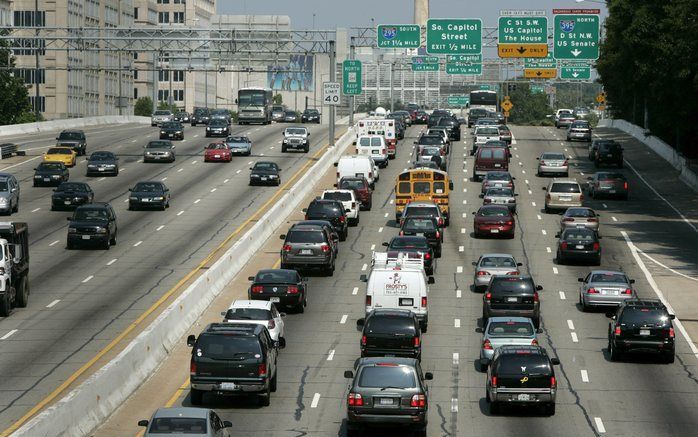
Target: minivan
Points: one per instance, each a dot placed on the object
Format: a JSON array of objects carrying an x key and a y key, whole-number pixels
[
  {"x": 562, "y": 194},
  {"x": 356, "y": 166},
  {"x": 373, "y": 146},
  {"x": 490, "y": 159}
]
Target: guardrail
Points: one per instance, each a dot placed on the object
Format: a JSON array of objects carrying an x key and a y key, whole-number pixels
[
  {"x": 84, "y": 408},
  {"x": 9, "y": 149},
  {"x": 70, "y": 123}
]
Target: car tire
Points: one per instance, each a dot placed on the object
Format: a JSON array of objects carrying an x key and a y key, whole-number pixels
[
  {"x": 546, "y": 209},
  {"x": 494, "y": 408},
  {"x": 370, "y": 205},
  {"x": 354, "y": 432},
  {"x": 343, "y": 236},
  {"x": 536, "y": 321},
  {"x": 300, "y": 308},
  {"x": 22, "y": 293},
  {"x": 613, "y": 353},
  {"x": 560, "y": 260},
  {"x": 265, "y": 399},
  {"x": 283, "y": 149},
  {"x": 437, "y": 253},
  {"x": 5, "y": 305},
  {"x": 669, "y": 357},
  {"x": 585, "y": 308},
  {"x": 424, "y": 327},
  {"x": 196, "y": 397},
  {"x": 272, "y": 384},
  {"x": 16, "y": 207},
  {"x": 549, "y": 409},
  {"x": 106, "y": 245},
  {"x": 69, "y": 246},
  {"x": 112, "y": 241},
  {"x": 420, "y": 431}
]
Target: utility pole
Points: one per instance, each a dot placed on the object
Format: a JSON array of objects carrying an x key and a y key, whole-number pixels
[
  {"x": 37, "y": 106},
  {"x": 352, "y": 49},
  {"x": 392, "y": 100},
  {"x": 156, "y": 61},
  {"x": 333, "y": 63}
]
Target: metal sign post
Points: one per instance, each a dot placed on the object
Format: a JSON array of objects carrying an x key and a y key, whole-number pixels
[{"x": 333, "y": 55}]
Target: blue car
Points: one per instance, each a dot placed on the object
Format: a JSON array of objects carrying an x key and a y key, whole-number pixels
[{"x": 239, "y": 145}]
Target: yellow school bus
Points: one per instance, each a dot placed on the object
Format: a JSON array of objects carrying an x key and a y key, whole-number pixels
[{"x": 422, "y": 184}]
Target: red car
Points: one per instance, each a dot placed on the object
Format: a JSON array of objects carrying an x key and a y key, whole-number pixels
[
  {"x": 362, "y": 189},
  {"x": 495, "y": 220},
  {"x": 217, "y": 152}
]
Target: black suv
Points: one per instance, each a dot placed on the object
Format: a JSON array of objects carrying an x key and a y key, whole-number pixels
[
  {"x": 417, "y": 245},
  {"x": 387, "y": 391},
  {"x": 453, "y": 127},
  {"x": 233, "y": 359},
  {"x": 332, "y": 211},
  {"x": 390, "y": 332},
  {"x": 426, "y": 226},
  {"x": 520, "y": 375},
  {"x": 512, "y": 297},
  {"x": 610, "y": 153},
  {"x": 475, "y": 114},
  {"x": 75, "y": 139},
  {"x": 641, "y": 325},
  {"x": 69, "y": 195},
  {"x": 172, "y": 130},
  {"x": 200, "y": 116},
  {"x": 92, "y": 224},
  {"x": 310, "y": 115}
]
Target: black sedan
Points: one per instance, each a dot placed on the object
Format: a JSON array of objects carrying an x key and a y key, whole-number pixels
[
  {"x": 282, "y": 287},
  {"x": 69, "y": 195},
  {"x": 147, "y": 195},
  {"x": 50, "y": 174},
  {"x": 416, "y": 246},
  {"x": 426, "y": 226},
  {"x": 265, "y": 173},
  {"x": 172, "y": 130},
  {"x": 290, "y": 117},
  {"x": 217, "y": 128},
  {"x": 578, "y": 244},
  {"x": 102, "y": 163},
  {"x": 310, "y": 116}
]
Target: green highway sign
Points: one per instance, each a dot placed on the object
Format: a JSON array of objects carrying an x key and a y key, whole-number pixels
[
  {"x": 523, "y": 30},
  {"x": 454, "y": 36},
  {"x": 425, "y": 59},
  {"x": 547, "y": 62},
  {"x": 351, "y": 77},
  {"x": 458, "y": 100},
  {"x": 576, "y": 36},
  {"x": 471, "y": 59},
  {"x": 537, "y": 89},
  {"x": 485, "y": 87},
  {"x": 463, "y": 68},
  {"x": 398, "y": 36},
  {"x": 425, "y": 67},
  {"x": 575, "y": 72}
]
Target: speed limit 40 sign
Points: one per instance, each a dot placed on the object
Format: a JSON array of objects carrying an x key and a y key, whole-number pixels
[{"x": 331, "y": 93}]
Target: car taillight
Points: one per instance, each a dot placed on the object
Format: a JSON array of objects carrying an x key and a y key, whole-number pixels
[
  {"x": 271, "y": 324},
  {"x": 483, "y": 273},
  {"x": 306, "y": 217},
  {"x": 427, "y": 256},
  {"x": 325, "y": 248},
  {"x": 592, "y": 291},
  {"x": 596, "y": 246},
  {"x": 535, "y": 296},
  {"x": 534, "y": 342},
  {"x": 419, "y": 401},
  {"x": 257, "y": 289},
  {"x": 563, "y": 245},
  {"x": 424, "y": 301},
  {"x": 262, "y": 370},
  {"x": 493, "y": 381},
  {"x": 515, "y": 273},
  {"x": 568, "y": 219},
  {"x": 510, "y": 184},
  {"x": 627, "y": 291},
  {"x": 416, "y": 342},
  {"x": 192, "y": 367},
  {"x": 370, "y": 174},
  {"x": 564, "y": 163},
  {"x": 488, "y": 296},
  {"x": 625, "y": 186},
  {"x": 287, "y": 248},
  {"x": 488, "y": 200},
  {"x": 368, "y": 301},
  {"x": 617, "y": 330},
  {"x": 292, "y": 289},
  {"x": 441, "y": 222},
  {"x": 487, "y": 344},
  {"x": 438, "y": 235},
  {"x": 510, "y": 222},
  {"x": 363, "y": 340},
  {"x": 402, "y": 233},
  {"x": 342, "y": 218},
  {"x": 553, "y": 382},
  {"x": 671, "y": 333},
  {"x": 592, "y": 220},
  {"x": 581, "y": 197},
  {"x": 355, "y": 400}
]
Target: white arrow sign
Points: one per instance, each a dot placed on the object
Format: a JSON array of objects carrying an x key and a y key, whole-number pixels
[
  {"x": 576, "y": 52},
  {"x": 575, "y": 74}
]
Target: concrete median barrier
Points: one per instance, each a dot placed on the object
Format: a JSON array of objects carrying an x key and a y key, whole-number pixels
[{"x": 71, "y": 123}]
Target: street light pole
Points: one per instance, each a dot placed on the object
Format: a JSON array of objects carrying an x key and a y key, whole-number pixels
[
  {"x": 37, "y": 107},
  {"x": 333, "y": 55},
  {"x": 352, "y": 49}
]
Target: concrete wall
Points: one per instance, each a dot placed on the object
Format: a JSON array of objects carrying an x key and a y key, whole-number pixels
[{"x": 71, "y": 123}]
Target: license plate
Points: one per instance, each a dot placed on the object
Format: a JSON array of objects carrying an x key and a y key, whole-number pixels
[
  {"x": 579, "y": 246},
  {"x": 612, "y": 191},
  {"x": 216, "y": 156},
  {"x": 498, "y": 185},
  {"x": 512, "y": 299},
  {"x": 386, "y": 401},
  {"x": 523, "y": 397},
  {"x": 419, "y": 234},
  {"x": 274, "y": 299},
  {"x": 47, "y": 179},
  {"x": 644, "y": 332},
  {"x": 228, "y": 386},
  {"x": 494, "y": 231},
  {"x": 85, "y": 237},
  {"x": 100, "y": 169},
  {"x": 406, "y": 301},
  {"x": 67, "y": 202},
  {"x": 609, "y": 156},
  {"x": 306, "y": 252},
  {"x": 565, "y": 198},
  {"x": 145, "y": 200},
  {"x": 264, "y": 178},
  {"x": 497, "y": 165},
  {"x": 171, "y": 135}
]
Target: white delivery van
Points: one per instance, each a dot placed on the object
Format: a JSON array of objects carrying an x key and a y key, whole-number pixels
[
  {"x": 373, "y": 146},
  {"x": 398, "y": 282},
  {"x": 384, "y": 127},
  {"x": 357, "y": 165}
]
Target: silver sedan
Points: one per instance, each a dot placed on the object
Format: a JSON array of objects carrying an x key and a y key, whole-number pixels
[
  {"x": 501, "y": 331},
  {"x": 605, "y": 288},
  {"x": 579, "y": 217},
  {"x": 500, "y": 196},
  {"x": 552, "y": 163},
  {"x": 494, "y": 264}
]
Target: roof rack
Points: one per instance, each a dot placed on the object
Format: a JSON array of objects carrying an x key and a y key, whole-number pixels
[{"x": 397, "y": 260}]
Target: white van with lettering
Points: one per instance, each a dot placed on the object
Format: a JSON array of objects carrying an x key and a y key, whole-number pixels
[{"x": 398, "y": 281}]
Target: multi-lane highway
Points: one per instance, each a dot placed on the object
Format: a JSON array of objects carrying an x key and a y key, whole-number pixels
[
  {"x": 596, "y": 396},
  {"x": 81, "y": 300}
]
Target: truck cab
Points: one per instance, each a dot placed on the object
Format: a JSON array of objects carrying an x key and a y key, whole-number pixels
[{"x": 14, "y": 266}]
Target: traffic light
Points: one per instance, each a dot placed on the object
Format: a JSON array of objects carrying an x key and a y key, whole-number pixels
[{"x": 511, "y": 87}]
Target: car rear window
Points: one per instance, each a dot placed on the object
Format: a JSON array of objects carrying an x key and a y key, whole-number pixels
[
  {"x": 611, "y": 176},
  {"x": 493, "y": 212},
  {"x": 645, "y": 316},
  {"x": 503, "y": 285},
  {"x": 305, "y": 237},
  {"x": 337, "y": 195},
  {"x": 609, "y": 277},
  {"x": 497, "y": 261},
  {"x": 228, "y": 347},
  {"x": 248, "y": 314},
  {"x": 510, "y": 329},
  {"x": 499, "y": 192},
  {"x": 387, "y": 376},
  {"x": 352, "y": 184},
  {"x": 409, "y": 243},
  {"x": 564, "y": 187},
  {"x": 579, "y": 212},
  {"x": 421, "y": 210},
  {"x": 390, "y": 324},
  {"x": 511, "y": 364},
  {"x": 323, "y": 208},
  {"x": 487, "y": 131},
  {"x": 276, "y": 276},
  {"x": 419, "y": 225},
  {"x": 553, "y": 156},
  {"x": 579, "y": 234},
  {"x": 492, "y": 153},
  {"x": 178, "y": 425},
  {"x": 497, "y": 176},
  {"x": 430, "y": 140}
]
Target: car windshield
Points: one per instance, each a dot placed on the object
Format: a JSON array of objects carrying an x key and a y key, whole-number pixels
[
  {"x": 237, "y": 140},
  {"x": 609, "y": 277},
  {"x": 493, "y": 212},
  {"x": 178, "y": 425},
  {"x": 265, "y": 166},
  {"x": 499, "y": 192},
  {"x": 59, "y": 151},
  {"x": 430, "y": 139},
  {"x": 562, "y": 187},
  {"x": 227, "y": 347},
  {"x": 50, "y": 166},
  {"x": 277, "y": 277},
  {"x": 337, "y": 195},
  {"x": 421, "y": 210},
  {"x": 101, "y": 156},
  {"x": 147, "y": 187},
  {"x": 510, "y": 329},
  {"x": 90, "y": 214},
  {"x": 579, "y": 212},
  {"x": 248, "y": 314},
  {"x": 70, "y": 136},
  {"x": 579, "y": 234},
  {"x": 387, "y": 375},
  {"x": 3, "y": 186},
  {"x": 159, "y": 145},
  {"x": 512, "y": 364},
  {"x": 296, "y": 131},
  {"x": 73, "y": 187},
  {"x": 290, "y": 114},
  {"x": 218, "y": 123},
  {"x": 419, "y": 225},
  {"x": 409, "y": 243},
  {"x": 311, "y": 112},
  {"x": 305, "y": 237},
  {"x": 497, "y": 261},
  {"x": 645, "y": 316},
  {"x": 219, "y": 112},
  {"x": 162, "y": 113},
  {"x": 216, "y": 146},
  {"x": 390, "y": 324}
]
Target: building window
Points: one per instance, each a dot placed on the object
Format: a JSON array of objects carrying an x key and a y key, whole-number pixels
[
  {"x": 163, "y": 95},
  {"x": 178, "y": 17},
  {"x": 178, "y": 95},
  {"x": 179, "y": 2},
  {"x": 42, "y": 103},
  {"x": 135, "y": 74},
  {"x": 135, "y": 93},
  {"x": 29, "y": 75},
  {"x": 163, "y": 2},
  {"x": 135, "y": 13},
  {"x": 164, "y": 75},
  {"x": 163, "y": 17},
  {"x": 29, "y": 44},
  {"x": 30, "y": 18},
  {"x": 178, "y": 76}
]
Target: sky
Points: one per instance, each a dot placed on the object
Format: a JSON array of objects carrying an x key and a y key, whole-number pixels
[{"x": 330, "y": 14}]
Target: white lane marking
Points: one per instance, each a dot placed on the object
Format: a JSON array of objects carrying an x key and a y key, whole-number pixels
[
  {"x": 20, "y": 163},
  {"x": 570, "y": 324},
  {"x": 380, "y": 229},
  {"x": 456, "y": 323},
  {"x": 159, "y": 228},
  {"x": 238, "y": 172},
  {"x": 604, "y": 205},
  {"x": 112, "y": 261},
  {"x": 533, "y": 203},
  {"x": 52, "y": 304},
  {"x": 364, "y": 267},
  {"x": 87, "y": 279},
  {"x": 547, "y": 249},
  {"x": 526, "y": 181},
  {"x": 665, "y": 266},
  {"x": 138, "y": 243},
  {"x": 409, "y": 160},
  {"x": 459, "y": 269},
  {"x": 555, "y": 271},
  {"x": 459, "y": 293},
  {"x": 562, "y": 295},
  {"x": 614, "y": 219},
  {"x": 523, "y": 171},
  {"x": 465, "y": 214},
  {"x": 196, "y": 136},
  {"x": 520, "y": 163},
  {"x": 250, "y": 163},
  {"x": 530, "y": 192},
  {"x": 454, "y": 405},
  {"x": 271, "y": 148},
  {"x": 544, "y": 232},
  {"x": 574, "y": 337},
  {"x": 279, "y": 142},
  {"x": 54, "y": 243},
  {"x": 344, "y": 319},
  {"x": 133, "y": 141},
  {"x": 213, "y": 189},
  {"x": 35, "y": 210},
  {"x": 456, "y": 358},
  {"x": 562, "y": 144},
  {"x": 164, "y": 179},
  {"x": 355, "y": 290},
  {"x": 465, "y": 202},
  {"x": 465, "y": 190},
  {"x": 517, "y": 155},
  {"x": 392, "y": 201},
  {"x": 373, "y": 247},
  {"x": 6, "y": 336},
  {"x": 462, "y": 230},
  {"x": 585, "y": 375},
  {"x": 101, "y": 179},
  {"x": 465, "y": 179},
  {"x": 581, "y": 173},
  {"x": 181, "y": 169},
  {"x": 650, "y": 279},
  {"x": 197, "y": 201},
  {"x": 194, "y": 161},
  {"x": 180, "y": 213},
  {"x": 539, "y": 217},
  {"x": 330, "y": 355},
  {"x": 316, "y": 400},
  {"x": 386, "y": 215},
  {"x": 461, "y": 248},
  {"x": 599, "y": 425}
]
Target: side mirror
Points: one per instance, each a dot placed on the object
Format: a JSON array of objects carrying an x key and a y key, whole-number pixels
[
  {"x": 360, "y": 323},
  {"x": 347, "y": 210},
  {"x": 282, "y": 314},
  {"x": 474, "y": 263},
  {"x": 281, "y": 344},
  {"x": 539, "y": 330},
  {"x": 450, "y": 185},
  {"x": 349, "y": 374},
  {"x": 68, "y": 218},
  {"x": 589, "y": 178},
  {"x": 479, "y": 330},
  {"x": 611, "y": 315},
  {"x": 363, "y": 278},
  {"x": 56, "y": 137},
  {"x": 336, "y": 164},
  {"x": 385, "y": 243},
  {"x": 431, "y": 280},
  {"x": 557, "y": 235},
  {"x": 250, "y": 278},
  {"x": 282, "y": 236},
  {"x": 428, "y": 376},
  {"x": 223, "y": 313},
  {"x": 516, "y": 194},
  {"x": 481, "y": 196},
  {"x": 519, "y": 264},
  {"x": 539, "y": 287},
  {"x": 191, "y": 340},
  {"x": 555, "y": 361},
  {"x": 130, "y": 189},
  {"x": 485, "y": 362},
  {"x": 537, "y": 159},
  {"x": 334, "y": 185},
  {"x": 143, "y": 422},
  {"x": 227, "y": 424},
  {"x": 672, "y": 316},
  {"x": 305, "y": 209},
  {"x": 580, "y": 279},
  {"x": 544, "y": 188},
  {"x": 632, "y": 281}
]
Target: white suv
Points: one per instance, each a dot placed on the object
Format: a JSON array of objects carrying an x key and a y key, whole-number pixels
[
  {"x": 349, "y": 200},
  {"x": 257, "y": 312}
]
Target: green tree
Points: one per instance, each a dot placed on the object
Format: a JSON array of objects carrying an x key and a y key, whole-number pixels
[
  {"x": 166, "y": 106},
  {"x": 278, "y": 99},
  {"x": 143, "y": 107},
  {"x": 15, "y": 106},
  {"x": 529, "y": 108}
]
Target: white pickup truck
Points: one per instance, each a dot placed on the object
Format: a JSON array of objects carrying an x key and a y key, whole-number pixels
[{"x": 484, "y": 134}]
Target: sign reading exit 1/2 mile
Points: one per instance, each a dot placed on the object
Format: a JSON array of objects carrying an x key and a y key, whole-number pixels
[{"x": 451, "y": 36}]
